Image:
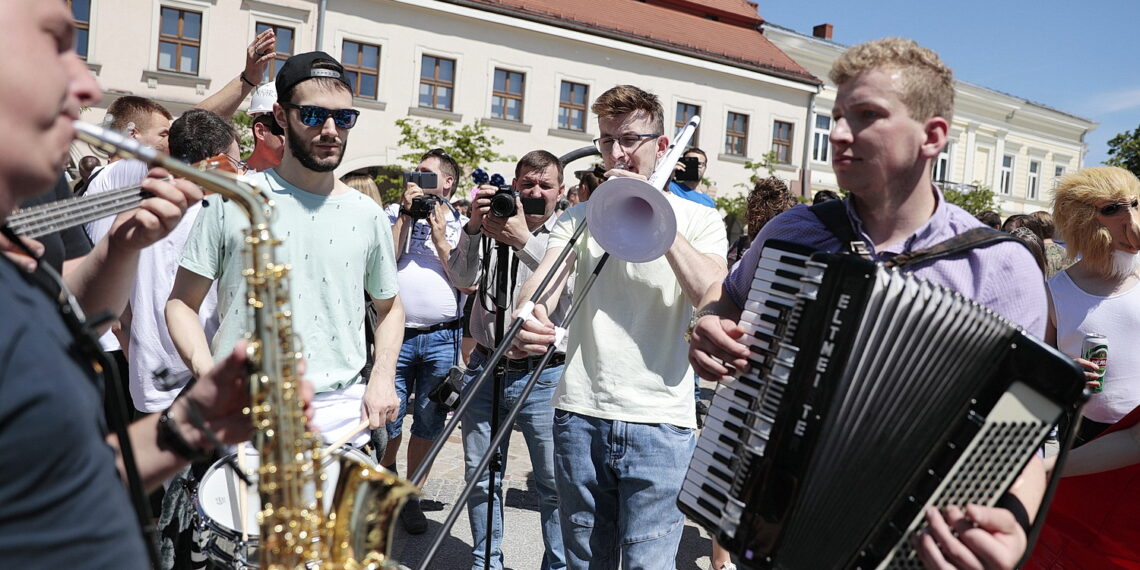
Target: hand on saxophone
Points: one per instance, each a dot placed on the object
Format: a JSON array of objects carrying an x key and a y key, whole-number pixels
[
  {"x": 222, "y": 394},
  {"x": 158, "y": 215}
]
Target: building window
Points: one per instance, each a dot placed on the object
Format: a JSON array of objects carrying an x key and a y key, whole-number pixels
[
  {"x": 507, "y": 95},
  {"x": 1034, "y": 172},
  {"x": 437, "y": 82},
  {"x": 572, "y": 106},
  {"x": 736, "y": 134},
  {"x": 821, "y": 139},
  {"x": 362, "y": 68},
  {"x": 941, "y": 171},
  {"x": 782, "y": 141},
  {"x": 685, "y": 112},
  {"x": 179, "y": 41},
  {"x": 1058, "y": 172},
  {"x": 81, "y": 12},
  {"x": 1006, "y": 184},
  {"x": 284, "y": 48}
]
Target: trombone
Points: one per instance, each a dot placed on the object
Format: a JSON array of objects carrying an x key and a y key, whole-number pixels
[{"x": 633, "y": 221}]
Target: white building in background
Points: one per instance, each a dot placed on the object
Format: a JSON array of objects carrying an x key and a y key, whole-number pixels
[
  {"x": 1015, "y": 147},
  {"x": 529, "y": 69}
]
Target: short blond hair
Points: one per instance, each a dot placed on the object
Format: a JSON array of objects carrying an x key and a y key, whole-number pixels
[
  {"x": 926, "y": 86},
  {"x": 624, "y": 99},
  {"x": 1074, "y": 211}
]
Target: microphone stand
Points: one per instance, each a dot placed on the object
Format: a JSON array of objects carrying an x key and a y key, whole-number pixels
[{"x": 502, "y": 305}]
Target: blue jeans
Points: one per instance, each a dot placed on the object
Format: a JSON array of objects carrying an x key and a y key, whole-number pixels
[
  {"x": 618, "y": 484},
  {"x": 535, "y": 420},
  {"x": 424, "y": 361}
]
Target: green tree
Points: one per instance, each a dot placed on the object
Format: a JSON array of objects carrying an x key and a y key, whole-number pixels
[
  {"x": 469, "y": 144},
  {"x": 974, "y": 200},
  {"x": 1124, "y": 151},
  {"x": 766, "y": 162},
  {"x": 244, "y": 123}
]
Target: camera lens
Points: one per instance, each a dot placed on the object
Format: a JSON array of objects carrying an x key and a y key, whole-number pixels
[{"x": 503, "y": 203}]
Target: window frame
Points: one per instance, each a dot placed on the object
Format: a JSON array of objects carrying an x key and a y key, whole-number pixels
[
  {"x": 506, "y": 96},
  {"x": 1005, "y": 181},
  {"x": 81, "y": 26},
  {"x": 435, "y": 83},
  {"x": 180, "y": 41},
  {"x": 732, "y": 135},
  {"x": 1033, "y": 180},
  {"x": 572, "y": 106},
  {"x": 779, "y": 144},
  {"x": 824, "y": 133},
  {"x": 683, "y": 115},
  {"x": 275, "y": 65},
  {"x": 359, "y": 68}
]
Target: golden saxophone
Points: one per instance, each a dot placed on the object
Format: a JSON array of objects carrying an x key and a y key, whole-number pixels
[{"x": 296, "y": 529}]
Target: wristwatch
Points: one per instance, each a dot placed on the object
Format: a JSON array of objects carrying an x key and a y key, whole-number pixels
[{"x": 693, "y": 322}]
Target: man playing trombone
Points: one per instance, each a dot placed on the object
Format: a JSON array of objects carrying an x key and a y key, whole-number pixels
[
  {"x": 538, "y": 175},
  {"x": 624, "y": 422}
]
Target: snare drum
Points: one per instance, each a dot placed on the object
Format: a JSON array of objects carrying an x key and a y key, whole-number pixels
[{"x": 217, "y": 507}]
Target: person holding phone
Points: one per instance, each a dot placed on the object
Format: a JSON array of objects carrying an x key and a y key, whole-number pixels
[{"x": 687, "y": 177}]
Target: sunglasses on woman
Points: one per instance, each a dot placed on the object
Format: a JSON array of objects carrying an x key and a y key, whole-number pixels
[
  {"x": 1115, "y": 208},
  {"x": 314, "y": 116}
]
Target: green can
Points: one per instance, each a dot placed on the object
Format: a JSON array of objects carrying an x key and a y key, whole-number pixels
[{"x": 1095, "y": 350}]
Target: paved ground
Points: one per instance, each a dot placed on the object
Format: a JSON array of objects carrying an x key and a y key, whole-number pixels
[{"x": 522, "y": 542}]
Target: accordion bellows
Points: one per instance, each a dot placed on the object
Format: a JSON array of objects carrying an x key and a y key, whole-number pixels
[{"x": 872, "y": 394}]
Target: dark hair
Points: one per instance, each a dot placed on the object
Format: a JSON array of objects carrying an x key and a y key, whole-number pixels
[
  {"x": 270, "y": 122},
  {"x": 1033, "y": 242},
  {"x": 538, "y": 160},
  {"x": 134, "y": 109},
  {"x": 447, "y": 164},
  {"x": 768, "y": 198},
  {"x": 823, "y": 196},
  {"x": 695, "y": 150},
  {"x": 592, "y": 180},
  {"x": 199, "y": 134},
  {"x": 1022, "y": 221},
  {"x": 989, "y": 218},
  {"x": 1046, "y": 220}
]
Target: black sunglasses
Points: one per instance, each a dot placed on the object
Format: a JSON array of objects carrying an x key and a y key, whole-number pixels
[
  {"x": 1116, "y": 207},
  {"x": 314, "y": 116}
]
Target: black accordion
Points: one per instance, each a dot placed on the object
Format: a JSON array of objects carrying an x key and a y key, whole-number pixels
[{"x": 872, "y": 395}]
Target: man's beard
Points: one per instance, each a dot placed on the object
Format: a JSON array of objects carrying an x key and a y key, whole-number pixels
[
  {"x": 300, "y": 150},
  {"x": 1124, "y": 263}
]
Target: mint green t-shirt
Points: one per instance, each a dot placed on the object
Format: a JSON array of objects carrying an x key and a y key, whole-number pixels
[{"x": 338, "y": 248}]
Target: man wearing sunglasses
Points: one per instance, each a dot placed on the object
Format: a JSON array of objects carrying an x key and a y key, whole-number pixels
[
  {"x": 1097, "y": 210},
  {"x": 337, "y": 241}
]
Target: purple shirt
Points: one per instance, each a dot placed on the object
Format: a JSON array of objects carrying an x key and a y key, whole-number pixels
[{"x": 1003, "y": 277}]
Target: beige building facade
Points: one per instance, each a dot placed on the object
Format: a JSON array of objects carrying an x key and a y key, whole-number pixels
[
  {"x": 1015, "y": 147},
  {"x": 528, "y": 74}
]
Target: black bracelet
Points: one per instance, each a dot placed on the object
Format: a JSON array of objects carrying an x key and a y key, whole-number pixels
[
  {"x": 247, "y": 81},
  {"x": 1011, "y": 503},
  {"x": 170, "y": 439}
]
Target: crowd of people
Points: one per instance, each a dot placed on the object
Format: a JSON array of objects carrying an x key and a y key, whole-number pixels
[{"x": 391, "y": 303}]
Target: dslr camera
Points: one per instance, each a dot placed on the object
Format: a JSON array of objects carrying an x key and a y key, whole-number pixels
[
  {"x": 503, "y": 200},
  {"x": 423, "y": 205}
]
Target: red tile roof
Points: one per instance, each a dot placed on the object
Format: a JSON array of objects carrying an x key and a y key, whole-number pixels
[{"x": 678, "y": 26}]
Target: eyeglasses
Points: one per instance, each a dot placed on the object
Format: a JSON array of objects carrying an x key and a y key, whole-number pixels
[
  {"x": 314, "y": 116},
  {"x": 238, "y": 163},
  {"x": 1115, "y": 208},
  {"x": 627, "y": 142}
]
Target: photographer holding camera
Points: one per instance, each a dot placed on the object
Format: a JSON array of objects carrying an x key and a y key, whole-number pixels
[
  {"x": 425, "y": 228},
  {"x": 687, "y": 177},
  {"x": 521, "y": 217}
]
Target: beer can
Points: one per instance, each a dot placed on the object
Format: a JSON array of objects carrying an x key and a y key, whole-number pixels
[{"x": 1095, "y": 350}]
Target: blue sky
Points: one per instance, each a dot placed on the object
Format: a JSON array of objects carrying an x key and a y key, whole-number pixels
[{"x": 1078, "y": 57}]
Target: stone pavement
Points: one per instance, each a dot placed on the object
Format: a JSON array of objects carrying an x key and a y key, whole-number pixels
[{"x": 522, "y": 539}]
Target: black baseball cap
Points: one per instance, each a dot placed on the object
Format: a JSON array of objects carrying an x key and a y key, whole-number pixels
[{"x": 301, "y": 67}]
